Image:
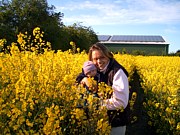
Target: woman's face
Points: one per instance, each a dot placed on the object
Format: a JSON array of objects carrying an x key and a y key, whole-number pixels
[{"x": 99, "y": 59}]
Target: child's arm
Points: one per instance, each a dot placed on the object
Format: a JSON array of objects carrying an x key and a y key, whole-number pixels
[{"x": 80, "y": 77}]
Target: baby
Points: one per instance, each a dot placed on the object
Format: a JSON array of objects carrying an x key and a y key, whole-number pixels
[{"x": 89, "y": 70}]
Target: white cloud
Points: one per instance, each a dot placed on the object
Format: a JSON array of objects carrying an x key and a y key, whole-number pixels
[{"x": 121, "y": 12}]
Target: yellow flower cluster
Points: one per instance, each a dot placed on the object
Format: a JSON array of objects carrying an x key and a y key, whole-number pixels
[
  {"x": 2, "y": 42},
  {"x": 74, "y": 47},
  {"x": 33, "y": 43},
  {"x": 161, "y": 82},
  {"x": 128, "y": 61},
  {"x": 38, "y": 94}
]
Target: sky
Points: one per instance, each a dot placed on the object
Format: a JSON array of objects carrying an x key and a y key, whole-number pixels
[{"x": 125, "y": 17}]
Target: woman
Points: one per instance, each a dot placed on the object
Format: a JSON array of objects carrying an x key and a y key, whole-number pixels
[{"x": 115, "y": 75}]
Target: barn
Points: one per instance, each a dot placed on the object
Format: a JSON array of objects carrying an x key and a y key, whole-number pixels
[{"x": 146, "y": 44}]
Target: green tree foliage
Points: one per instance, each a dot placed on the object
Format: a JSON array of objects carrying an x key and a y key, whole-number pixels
[
  {"x": 24, "y": 15},
  {"x": 82, "y": 36},
  {"x": 177, "y": 53}
]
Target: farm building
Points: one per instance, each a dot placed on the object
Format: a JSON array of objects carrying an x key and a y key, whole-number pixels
[{"x": 148, "y": 45}]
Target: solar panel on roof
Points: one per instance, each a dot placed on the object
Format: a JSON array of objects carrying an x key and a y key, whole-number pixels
[
  {"x": 123, "y": 38},
  {"x": 103, "y": 37}
]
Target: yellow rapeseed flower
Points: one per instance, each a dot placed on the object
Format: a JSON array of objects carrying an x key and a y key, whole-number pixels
[
  {"x": 168, "y": 110},
  {"x": 72, "y": 43}
]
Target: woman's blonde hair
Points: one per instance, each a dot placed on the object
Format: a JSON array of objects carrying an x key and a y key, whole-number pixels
[{"x": 102, "y": 48}]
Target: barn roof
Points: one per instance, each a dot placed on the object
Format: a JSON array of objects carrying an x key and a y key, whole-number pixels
[{"x": 132, "y": 39}]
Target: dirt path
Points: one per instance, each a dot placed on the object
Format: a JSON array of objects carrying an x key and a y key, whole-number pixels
[{"x": 140, "y": 127}]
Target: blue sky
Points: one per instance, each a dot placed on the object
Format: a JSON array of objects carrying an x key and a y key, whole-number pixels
[{"x": 125, "y": 17}]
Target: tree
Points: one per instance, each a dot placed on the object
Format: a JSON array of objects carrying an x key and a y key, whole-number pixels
[
  {"x": 82, "y": 36},
  {"x": 24, "y": 15},
  {"x": 177, "y": 53}
]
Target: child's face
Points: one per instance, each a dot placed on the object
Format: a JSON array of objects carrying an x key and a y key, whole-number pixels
[{"x": 92, "y": 73}]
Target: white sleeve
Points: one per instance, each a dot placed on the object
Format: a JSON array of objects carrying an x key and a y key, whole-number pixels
[{"x": 120, "y": 96}]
